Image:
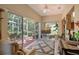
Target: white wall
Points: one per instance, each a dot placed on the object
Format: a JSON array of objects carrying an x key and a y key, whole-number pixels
[
  {"x": 51, "y": 18},
  {"x": 76, "y": 16},
  {"x": 66, "y": 10}
]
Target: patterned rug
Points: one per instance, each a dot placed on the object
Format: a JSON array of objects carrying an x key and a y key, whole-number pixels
[{"x": 45, "y": 47}]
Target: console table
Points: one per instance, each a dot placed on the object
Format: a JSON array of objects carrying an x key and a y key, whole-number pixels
[{"x": 70, "y": 47}]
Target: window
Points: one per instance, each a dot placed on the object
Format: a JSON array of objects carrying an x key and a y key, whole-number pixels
[
  {"x": 20, "y": 28},
  {"x": 53, "y": 27},
  {"x": 25, "y": 29},
  {"x": 14, "y": 26},
  {"x": 31, "y": 28}
]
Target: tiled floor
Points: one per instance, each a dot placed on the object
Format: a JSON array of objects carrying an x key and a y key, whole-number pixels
[{"x": 44, "y": 47}]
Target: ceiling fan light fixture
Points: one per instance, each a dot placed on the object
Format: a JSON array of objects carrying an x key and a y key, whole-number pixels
[
  {"x": 73, "y": 14},
  {"x": 45, "y": 10}
]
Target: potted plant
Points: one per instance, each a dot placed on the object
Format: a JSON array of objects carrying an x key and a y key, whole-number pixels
[{"x": 77, "y": 36}]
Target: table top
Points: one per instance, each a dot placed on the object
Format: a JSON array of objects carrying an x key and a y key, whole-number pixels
[{"x": 69, "y": 46}]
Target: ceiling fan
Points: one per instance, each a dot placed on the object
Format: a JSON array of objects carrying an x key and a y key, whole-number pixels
[{"x": 46, "y": 9}]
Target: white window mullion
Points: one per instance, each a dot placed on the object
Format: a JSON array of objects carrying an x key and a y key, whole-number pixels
[
  {"x": 39, "y": 35},
  {"x": 27, "y": 27}
]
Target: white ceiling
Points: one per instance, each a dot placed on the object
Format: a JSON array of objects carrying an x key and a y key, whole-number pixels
[{"x": 54, "y": 9}]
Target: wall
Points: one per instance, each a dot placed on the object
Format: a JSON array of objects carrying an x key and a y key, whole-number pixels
[
  {"x": 76, "y": 16},
  {"x": 76, "y": 12},
  {"x": 51, "y": 18},
  {"x": 67, "y": 9},
  {"x": 4, "y": 27}
]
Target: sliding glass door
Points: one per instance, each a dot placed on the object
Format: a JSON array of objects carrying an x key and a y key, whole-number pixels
[
  {"x": 21, "y": 30},
  {"x": 14, "y": 26}
]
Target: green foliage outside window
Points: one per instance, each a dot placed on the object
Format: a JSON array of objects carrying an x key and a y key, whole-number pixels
[
  {"x": 77, "y": 36},
  {"x": 14, "y": 25},
  {"x": 31, "y": 28}
]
